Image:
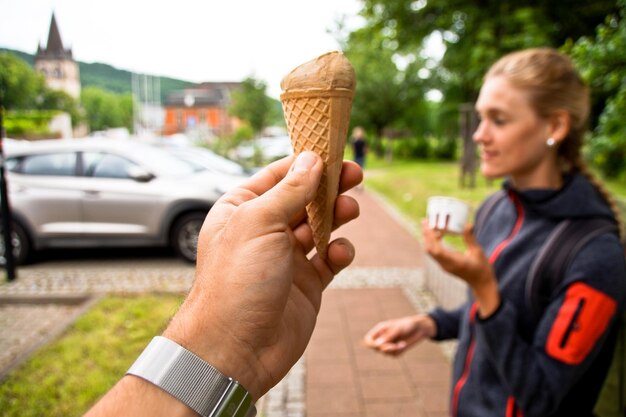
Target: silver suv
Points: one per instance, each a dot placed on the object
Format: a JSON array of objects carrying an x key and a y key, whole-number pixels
[{"x": 106, "y": 192}]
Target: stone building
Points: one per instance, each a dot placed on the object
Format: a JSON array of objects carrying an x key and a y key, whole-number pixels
[{"x": 57, "y": 64}]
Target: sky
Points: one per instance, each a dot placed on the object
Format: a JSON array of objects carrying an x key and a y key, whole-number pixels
[{"x": 201, "y": 40}]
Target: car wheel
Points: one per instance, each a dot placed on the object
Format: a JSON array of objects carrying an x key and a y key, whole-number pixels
[
  {"x": 21, "y": 245},
  {"x": 184, "y": 238}
]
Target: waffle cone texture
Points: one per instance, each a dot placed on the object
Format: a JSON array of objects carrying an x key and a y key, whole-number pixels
[{"x": 317, "y": 101}]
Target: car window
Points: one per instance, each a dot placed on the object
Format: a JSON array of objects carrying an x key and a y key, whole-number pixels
[
  {"x": 206, "y": 159},
  {"x": 58, "y": 164},
  {"x": 158, "y": 160},
  {"x": 106, "y": 165}
]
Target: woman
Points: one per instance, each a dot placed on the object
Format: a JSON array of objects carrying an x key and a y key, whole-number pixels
[{"x": 533, "y": 108}]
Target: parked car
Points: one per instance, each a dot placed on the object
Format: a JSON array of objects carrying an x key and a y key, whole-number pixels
[
  {"x": 104, "y": 192},
  {"x": 205, "y": 159},
  {"x": 268, "y": 148}
]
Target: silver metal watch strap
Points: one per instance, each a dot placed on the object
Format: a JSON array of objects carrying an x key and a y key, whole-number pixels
[{"x": 191, "y": 380}]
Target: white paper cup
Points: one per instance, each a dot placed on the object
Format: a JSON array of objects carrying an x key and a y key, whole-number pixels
[{"x": 447, "y": 213}]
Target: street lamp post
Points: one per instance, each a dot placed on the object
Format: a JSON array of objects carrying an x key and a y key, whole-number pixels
[{"x": 5, "y": 209}]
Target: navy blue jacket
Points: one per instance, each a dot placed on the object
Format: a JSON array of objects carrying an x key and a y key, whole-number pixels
[{"x": 511, "y": 365}]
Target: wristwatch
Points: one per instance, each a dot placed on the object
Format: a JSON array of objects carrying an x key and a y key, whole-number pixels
[{"x": 191, "y": 380}]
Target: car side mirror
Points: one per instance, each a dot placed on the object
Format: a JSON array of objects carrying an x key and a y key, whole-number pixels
[{"x": 139, "y": 174}]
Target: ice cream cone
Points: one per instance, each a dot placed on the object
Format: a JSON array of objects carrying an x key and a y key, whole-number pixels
[{"x": 317, "y": 100}]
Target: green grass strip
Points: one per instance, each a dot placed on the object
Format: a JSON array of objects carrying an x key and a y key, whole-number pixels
[{"x": 66, "y": 377}]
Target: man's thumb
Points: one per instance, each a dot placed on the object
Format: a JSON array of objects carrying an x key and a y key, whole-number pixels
[{"x": 300, "y": 184}]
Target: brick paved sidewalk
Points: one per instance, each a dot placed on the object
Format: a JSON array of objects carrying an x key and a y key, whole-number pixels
[
  {"x": 346, "y": 379},
  {"x": 381, "y": 237}
]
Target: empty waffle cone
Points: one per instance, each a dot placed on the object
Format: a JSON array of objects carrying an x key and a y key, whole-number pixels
[{"x": 317, "y": 100}]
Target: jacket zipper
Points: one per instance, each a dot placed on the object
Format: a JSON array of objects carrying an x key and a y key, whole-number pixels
[
  {"x": 469, "y": 356},
  {"x": 573, "y": 324}
]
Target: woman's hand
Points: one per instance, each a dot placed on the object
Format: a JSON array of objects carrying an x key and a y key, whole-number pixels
[
  {"x": 393, "y": 337},
  {"x": 472, "y": 266}
]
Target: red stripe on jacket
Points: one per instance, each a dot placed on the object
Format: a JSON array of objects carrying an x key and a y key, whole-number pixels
[
  {"x": 466, "y": 367},
  {"x": 512, "y": 410},
  {"x": 516, "y": 228}
]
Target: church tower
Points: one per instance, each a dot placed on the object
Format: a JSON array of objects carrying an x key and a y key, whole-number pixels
[{"x": 57, "y": 64}]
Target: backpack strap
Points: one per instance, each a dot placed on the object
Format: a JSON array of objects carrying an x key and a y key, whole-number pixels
[
  {"x": 486, "y": 209},
  {"x": 620, "y": 348},
  {"x": 548, "y": 269}
]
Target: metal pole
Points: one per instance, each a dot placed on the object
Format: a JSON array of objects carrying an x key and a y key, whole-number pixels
[{"x": 5, "y": 209}]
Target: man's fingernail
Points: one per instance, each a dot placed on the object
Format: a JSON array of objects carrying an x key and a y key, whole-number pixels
[
  {"x": 349, "y": 248},
  {"x": 304, "y": 162}
]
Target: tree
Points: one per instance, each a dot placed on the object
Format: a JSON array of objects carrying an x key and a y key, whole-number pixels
[
  {"x": 386, "y": 96},
  {"x": 20, "y": 86},
  {"x": 251, "y": 104},
  {"x": 477, "y": 32},
  {"x": 602, "y": 62},
  {"x": 125, "y": 104},
  {"x": 375, "y": 105},
  {"x": 60, "y": 100},
  {"x": 105, "y": 109}
]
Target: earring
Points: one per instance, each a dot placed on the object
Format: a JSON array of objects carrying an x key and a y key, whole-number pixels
[{"x": 551, "y": 142}]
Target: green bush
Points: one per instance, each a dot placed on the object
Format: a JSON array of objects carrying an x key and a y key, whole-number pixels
[
  {"x": 20, "y": 123},
  {"x": 411, "y": 148},
  {"x": 421, "y": 147},
  {"x": 445, "y": 148},
  {"x": 243, "y": 133},
  {"x": 607, "y": 149},
  {"x": 602, "y": 62}
]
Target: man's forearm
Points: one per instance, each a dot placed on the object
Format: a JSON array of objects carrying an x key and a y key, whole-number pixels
[{"x": 133, "y": 396}]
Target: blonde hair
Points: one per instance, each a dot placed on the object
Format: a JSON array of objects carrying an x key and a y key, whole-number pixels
[{"x": 553, "y": 83}]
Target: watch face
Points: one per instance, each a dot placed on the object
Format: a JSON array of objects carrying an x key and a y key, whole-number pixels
[{"x": 237, "y": 403}]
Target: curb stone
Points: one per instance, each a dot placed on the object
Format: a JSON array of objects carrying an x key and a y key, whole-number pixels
[{"x": 40, "y": 320}]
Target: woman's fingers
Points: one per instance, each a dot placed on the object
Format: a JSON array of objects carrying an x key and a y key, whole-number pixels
[
  {"x": 450, "y": 260},
  {"x": 394, "y": 348},
  {"x": 377, "y": 335},
  {"x": 432, "y": 239},
  {"x": 468, "y": 236}
]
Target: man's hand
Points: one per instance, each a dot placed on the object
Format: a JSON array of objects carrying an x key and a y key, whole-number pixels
[
  {"x": 253, "y": 305},
  {"x": 255, "y": 299}
]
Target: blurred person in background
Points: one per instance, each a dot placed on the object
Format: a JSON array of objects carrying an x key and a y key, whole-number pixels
[
  {"x": 359, "y": 145},
  {"x": 359, "y": 148}
]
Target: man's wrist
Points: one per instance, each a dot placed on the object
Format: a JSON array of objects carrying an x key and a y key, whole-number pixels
[
  {"x": 191, "y": 380},
  {"x": 227, "y": 358}
]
